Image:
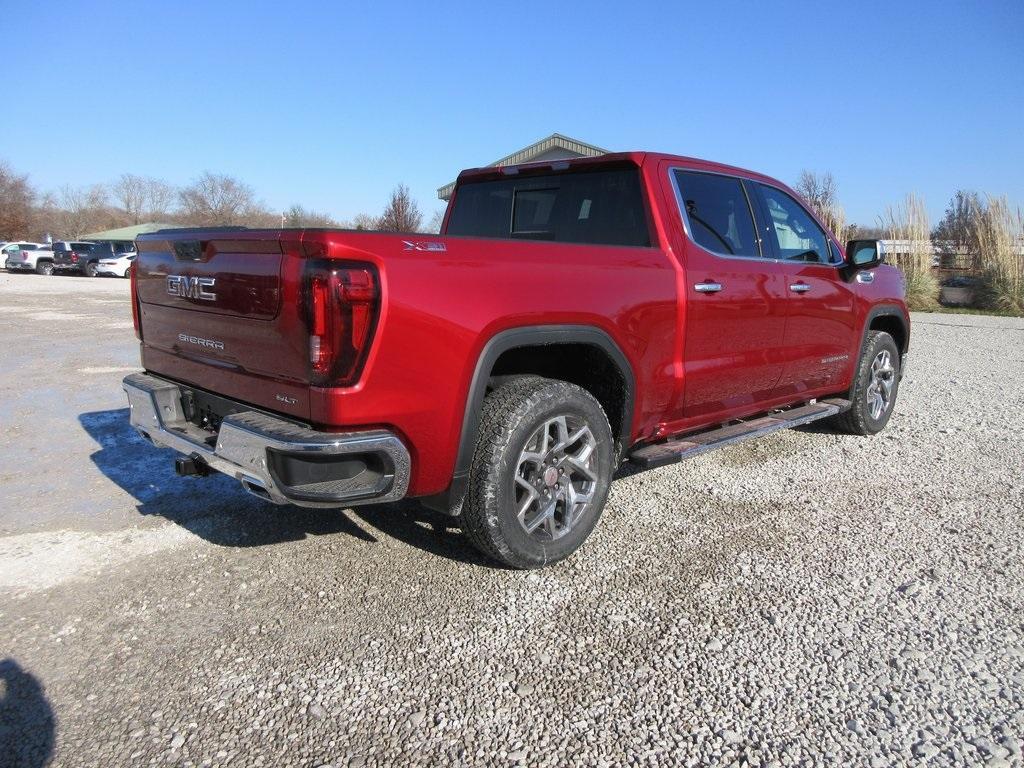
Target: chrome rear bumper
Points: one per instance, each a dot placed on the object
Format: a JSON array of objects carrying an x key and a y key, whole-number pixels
[{"x": 269, "y": 455}]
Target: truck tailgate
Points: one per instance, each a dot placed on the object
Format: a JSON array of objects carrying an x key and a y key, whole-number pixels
[{"x": 221, "y": 311}]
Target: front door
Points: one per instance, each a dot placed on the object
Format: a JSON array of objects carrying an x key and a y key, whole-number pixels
[
  {"x": 735, "y": 301},
  {"x": 820, "y": 326}
]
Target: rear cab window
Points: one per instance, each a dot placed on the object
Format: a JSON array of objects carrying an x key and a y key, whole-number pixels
[{"x": 596, "y": 207}]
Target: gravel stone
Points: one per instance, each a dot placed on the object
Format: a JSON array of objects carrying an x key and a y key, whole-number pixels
[{"x": 806, "y": 599}]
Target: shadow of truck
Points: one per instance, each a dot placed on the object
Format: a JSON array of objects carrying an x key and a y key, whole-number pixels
[{"x": 218, "y": 510}]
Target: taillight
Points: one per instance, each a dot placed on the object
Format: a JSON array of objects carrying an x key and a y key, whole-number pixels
[
  {"x": 136, "y": 321},
  {"x": 342, "y": 301},
  {"x": 74, "y": 257}
]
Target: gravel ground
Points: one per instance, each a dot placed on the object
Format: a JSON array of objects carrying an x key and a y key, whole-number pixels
[{"x": 808, "y": 599}]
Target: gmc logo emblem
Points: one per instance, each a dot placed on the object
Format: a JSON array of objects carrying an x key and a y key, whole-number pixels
[{"x": 191, "y": 287}]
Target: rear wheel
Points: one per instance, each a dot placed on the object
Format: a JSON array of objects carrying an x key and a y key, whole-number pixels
[
  {"x": 875, "y": 387},
  {"x": 44, "y": 268},
  {"x": 90, "y": 269},
  {"x": 540, "y": 474}
]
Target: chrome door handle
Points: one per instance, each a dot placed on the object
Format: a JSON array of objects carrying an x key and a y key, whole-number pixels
[
  {"x": 707, "y": 287},
  {"x": 799, "y": 287}
]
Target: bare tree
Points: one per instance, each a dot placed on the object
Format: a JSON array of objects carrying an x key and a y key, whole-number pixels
[
  {"x": 83, "y": 209},
  {"x": 297, "y": 216},
  {"x": 864, "y": 232},
  {"x": 820, "y": 192},
  {"x": 218, "y": 200},
  {"x": 143, "y": 197},
  {"x": 436, "y": 220},
  {"x": 130, "y": 192},
  {"x": 955, "y": 237},
  {"x": 402, "y": 214},
  {"x": 160, "y": 198},
  {"x": 16, "y": 204},
  {"x": 363, "y": 221}
]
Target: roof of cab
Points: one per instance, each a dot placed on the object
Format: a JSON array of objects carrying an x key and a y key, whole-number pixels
[{"x": 639, "y": 159}]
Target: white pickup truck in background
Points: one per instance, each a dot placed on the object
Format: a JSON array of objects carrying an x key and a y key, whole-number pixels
[{"x": 27, "y": 257}]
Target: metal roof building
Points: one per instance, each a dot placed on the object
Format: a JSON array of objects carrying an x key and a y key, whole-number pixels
[
  {"x": 554, "y": 147},
  {"x": 126, "y": 234}
]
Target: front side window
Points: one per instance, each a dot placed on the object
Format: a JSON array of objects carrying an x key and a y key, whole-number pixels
[
  {"x": 797, "y": 234},
  {"x": 718, "y": 213}
]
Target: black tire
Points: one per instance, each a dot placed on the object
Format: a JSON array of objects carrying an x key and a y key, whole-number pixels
[
  {"x": 859, "y": 420},
  {"x": 512, "y": 415},
  {"x": 89, "y": 270},
  {"x": 44, "y": 268}
]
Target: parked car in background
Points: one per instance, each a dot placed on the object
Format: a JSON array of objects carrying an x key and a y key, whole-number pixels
[
  {"x": 79, "y": 256},
  {"x": 27, "y": 257},
  {"x": 117, "y": 265}
]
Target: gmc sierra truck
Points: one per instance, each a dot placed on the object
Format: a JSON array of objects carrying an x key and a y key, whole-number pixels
[{"x": 570, "y": 316}]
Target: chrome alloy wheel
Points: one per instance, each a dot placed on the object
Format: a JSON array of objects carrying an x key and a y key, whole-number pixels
[
  {"x": 883, "y": 379},
  {"x": 555, "y": 481}
]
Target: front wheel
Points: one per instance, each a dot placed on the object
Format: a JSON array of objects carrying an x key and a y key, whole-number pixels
[
  {"x": 540, "y": 473},
  {"x": 875, "y": 387}
]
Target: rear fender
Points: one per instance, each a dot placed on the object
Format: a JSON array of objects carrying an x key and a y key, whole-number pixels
[{"x": 450, "y": 501}]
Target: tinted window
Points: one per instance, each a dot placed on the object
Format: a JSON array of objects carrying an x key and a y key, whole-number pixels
[
  {"x": 718, "y": 213},
  {"x": 797, "y": 235},
  {"x": 600, "y": 207},
  {"x": 61, "y": 247}
]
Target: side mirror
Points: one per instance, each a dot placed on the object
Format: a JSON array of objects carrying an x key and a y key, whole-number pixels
[{"x": 863, "y": 254}]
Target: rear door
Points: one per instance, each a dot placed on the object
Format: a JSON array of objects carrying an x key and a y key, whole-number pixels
[
  {"x": 223, "y": 312},
  {"x": 821, "y": 324},
  {"x": 735, "y": 315}
]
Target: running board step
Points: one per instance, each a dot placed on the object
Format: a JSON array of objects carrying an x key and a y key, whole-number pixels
[{"x": 680, "y": 448}]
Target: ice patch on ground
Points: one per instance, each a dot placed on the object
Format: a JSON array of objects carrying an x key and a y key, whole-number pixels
[
  {"x": 30, "y": 562},
  {"x": 109, "y": 369}
]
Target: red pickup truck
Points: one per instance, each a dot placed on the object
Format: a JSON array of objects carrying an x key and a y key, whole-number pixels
[{"x": 571, "y": 316}]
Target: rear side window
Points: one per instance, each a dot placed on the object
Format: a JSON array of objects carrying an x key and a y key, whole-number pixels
[
  {"x": 61, "y": 247},
  {"x": 718, "y": 213},
  {"x": 598, "y": 208}
]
